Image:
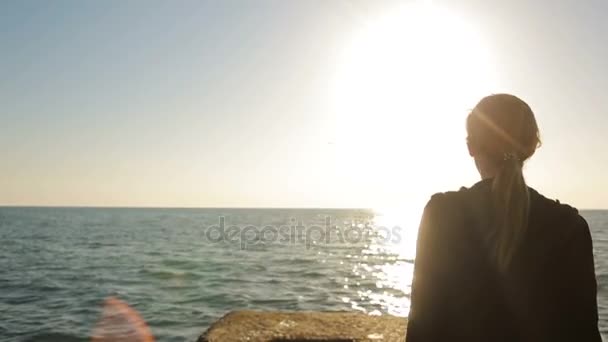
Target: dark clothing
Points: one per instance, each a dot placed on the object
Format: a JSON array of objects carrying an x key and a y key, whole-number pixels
[{"x": 548, "y": 293}]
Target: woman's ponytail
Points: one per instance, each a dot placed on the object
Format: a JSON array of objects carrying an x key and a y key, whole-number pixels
[{"x": 511, "y": 204}]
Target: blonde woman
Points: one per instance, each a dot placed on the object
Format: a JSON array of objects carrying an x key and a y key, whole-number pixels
[{"x": 498, "y": 261}]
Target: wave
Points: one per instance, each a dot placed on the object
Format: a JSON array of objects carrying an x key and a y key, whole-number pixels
[
  {"x": 169, "y": 274},
  {"x": 55, "y": 337}
]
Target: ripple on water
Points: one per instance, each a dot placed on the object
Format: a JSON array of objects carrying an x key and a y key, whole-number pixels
[
  {"x": 168, "y": 274},
  {"x": 54, "y": 337}
]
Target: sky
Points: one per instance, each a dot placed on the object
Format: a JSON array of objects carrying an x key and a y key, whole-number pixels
[{"x": 290, "y": 103}]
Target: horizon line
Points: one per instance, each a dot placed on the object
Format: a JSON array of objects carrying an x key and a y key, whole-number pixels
[
  {"x": 172, "y": 207},
  {"x": 203, "y": 207}
]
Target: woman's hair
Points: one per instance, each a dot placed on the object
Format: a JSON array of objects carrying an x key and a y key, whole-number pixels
[{"x": 502, "y": 128}]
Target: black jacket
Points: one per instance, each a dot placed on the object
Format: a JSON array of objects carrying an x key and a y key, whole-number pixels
[{"x": 549, "y": 293}]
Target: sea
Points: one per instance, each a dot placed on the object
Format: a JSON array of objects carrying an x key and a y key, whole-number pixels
[{"x": 181, "y": 269}]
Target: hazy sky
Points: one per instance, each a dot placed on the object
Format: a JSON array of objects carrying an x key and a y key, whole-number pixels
[{"x": 233, "y": 103}]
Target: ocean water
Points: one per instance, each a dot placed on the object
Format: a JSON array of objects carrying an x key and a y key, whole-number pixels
[{"x": 183, "y": 268}]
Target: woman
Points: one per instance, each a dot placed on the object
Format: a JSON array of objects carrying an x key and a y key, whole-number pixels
[{"x": 498, "y": 261}]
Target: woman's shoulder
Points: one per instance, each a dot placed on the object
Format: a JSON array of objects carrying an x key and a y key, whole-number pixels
[
  {"x": 448, "y": 204},
  {"x": 548, "y": 204},
  {"x": 554, "y": 214},
  {"x": 557, "y": 231},
  {"x": 454, "y": 197},
  {"x": 444, "y": 199}
]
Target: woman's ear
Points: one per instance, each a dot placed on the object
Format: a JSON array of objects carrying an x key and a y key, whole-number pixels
[{"x": 472, "y": 151}]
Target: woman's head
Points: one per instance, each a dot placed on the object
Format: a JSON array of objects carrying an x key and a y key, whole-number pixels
[
  {"x": 500, "y": 127},
  {"x": 502, "y": 135}
]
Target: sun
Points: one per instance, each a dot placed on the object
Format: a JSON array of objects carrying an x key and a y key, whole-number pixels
[{"x": 403, "y": 86}]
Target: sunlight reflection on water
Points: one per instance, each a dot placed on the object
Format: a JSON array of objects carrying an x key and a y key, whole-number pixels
[{"x": 385, "y": 266}]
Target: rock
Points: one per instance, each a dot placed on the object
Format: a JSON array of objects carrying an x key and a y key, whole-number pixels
[{"x": 259, "y": 326}]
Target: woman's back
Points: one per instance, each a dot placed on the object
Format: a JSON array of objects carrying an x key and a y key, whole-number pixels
[
  {"x": 458, "y": 294},
  {"x": 500, "y": 262}
]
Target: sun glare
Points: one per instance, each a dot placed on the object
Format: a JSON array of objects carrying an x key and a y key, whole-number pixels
[{"x": 403, "y": 86}]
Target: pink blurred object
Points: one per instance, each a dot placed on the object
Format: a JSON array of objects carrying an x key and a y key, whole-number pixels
[{"x": 120, "y": 323}]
